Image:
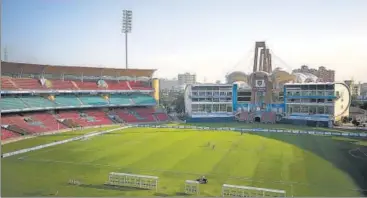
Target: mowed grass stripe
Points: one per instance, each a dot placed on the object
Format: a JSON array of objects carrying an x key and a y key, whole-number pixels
[
  {"x": 176, "y": 155},
  {"x": 35, "y": 141}
]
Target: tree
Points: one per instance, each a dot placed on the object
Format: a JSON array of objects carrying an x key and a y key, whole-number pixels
[{"x": 179, "y": 104}]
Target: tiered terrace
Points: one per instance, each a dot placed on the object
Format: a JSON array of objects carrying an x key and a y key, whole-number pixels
[
  {"x": 35, "y": 84},
  {"x": 34, "y": 123}
]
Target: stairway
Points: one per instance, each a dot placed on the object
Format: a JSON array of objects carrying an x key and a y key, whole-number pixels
[
  {"x": 13, "y": 83},
  {"x": 18, "y": 130},
  {"x": 80, "y": 101},
  {"x": 128, "y": 84},
  {"x": 75, "y": 85},
  {"x": 25, "y": 102}
]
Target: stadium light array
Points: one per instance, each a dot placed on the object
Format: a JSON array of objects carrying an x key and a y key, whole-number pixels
[{"x": 127, "y": 18}]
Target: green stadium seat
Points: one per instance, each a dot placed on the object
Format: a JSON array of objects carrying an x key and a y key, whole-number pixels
[
  {"x": 93, "y": 100},
  {"x": 120, "y": 100},
  {"x": 12, "y": 103},
  {"x": 143, "y": 99},
  {"x": 67, "y": 101},
  {"x": 35, "y": 101}
]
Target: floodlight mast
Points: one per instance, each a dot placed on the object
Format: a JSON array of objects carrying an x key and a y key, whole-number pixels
[{"x": 126, "y": 28}]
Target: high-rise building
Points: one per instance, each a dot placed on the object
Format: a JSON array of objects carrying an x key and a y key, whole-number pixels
[
  {"x": 323, "y": 74},
  {"x": 355, "y": 88},
  {"x": 186, "y": 78}
]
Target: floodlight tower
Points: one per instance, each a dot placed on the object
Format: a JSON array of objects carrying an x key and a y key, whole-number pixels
[{"x": 127, "y": 16}]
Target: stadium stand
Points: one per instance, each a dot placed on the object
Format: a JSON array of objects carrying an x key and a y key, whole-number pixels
[
  {"x": 93, "y": 100},
  {"x": 124, "y": 85},
  {"x": 120, "y": 99},
  {"x": 8, "y": 134},
  {"x": 60, "y": 84},
  {"x": 67, "y": 100},
  {"x": 27, "y": 83},
  {"x": 86, "y": 85},
  {"x": 11, "y": 103},
  {"x": 73, "y": 97}
]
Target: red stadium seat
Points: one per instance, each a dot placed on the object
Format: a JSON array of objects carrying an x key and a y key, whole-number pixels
[
  {"x": 61, "y": 84},
  {"x": 87, "y": 85},
  {"x": 27, "y": 83},
  {"x": 7, "y": 84},
  {"x": 6, "y": 134}
]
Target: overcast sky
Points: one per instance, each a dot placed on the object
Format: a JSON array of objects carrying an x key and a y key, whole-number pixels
[{"x": 206, "y": 37}]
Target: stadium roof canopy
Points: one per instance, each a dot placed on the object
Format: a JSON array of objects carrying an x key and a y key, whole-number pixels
[{"x": 26, "y": 68}]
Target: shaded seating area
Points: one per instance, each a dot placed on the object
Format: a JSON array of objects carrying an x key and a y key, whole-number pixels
[
  {"x": 143, "y": 99},
  {"x": 93, "y": 100},
  {"x": 12, "y": 103}
]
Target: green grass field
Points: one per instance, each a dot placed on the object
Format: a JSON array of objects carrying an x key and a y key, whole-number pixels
[{"x": 303, "y": 165}]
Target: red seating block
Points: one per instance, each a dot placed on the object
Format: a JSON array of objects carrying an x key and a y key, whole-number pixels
[
  {"x": 6, "y": 134},
  {"x": 27, "y": 83}
]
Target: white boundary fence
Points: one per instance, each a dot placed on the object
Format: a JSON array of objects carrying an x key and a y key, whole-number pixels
[
  {"x": 247, "y": 130},
  {"x": 60, "y": 142},
  {"x": 131, "y": 180},
  {"x": 192, "y": 187},
  {"x": 248, "y": 191}
]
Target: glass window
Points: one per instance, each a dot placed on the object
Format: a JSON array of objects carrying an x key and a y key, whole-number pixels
[
  {"x": 296, "y": 109},
  {"x": 215, "y": 107},
  {"x": 312, "y": 110},
  {"x": 229, "y": 108},
  {"x": 304, "y": 109},
  {"x": 321, "y": 110},
  {"x": 222, "y": 107}
]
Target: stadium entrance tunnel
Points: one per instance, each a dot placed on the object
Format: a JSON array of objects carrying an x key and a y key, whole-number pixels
[{"x": 257, "y": 119}]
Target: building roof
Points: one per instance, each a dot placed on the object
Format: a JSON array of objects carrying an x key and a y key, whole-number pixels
[
  {"x": 26, "y": 68},
  {"x": 305, "y": 77}
]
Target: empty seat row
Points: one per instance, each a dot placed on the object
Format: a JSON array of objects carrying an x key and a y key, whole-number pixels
[
  {"x": 7, "y": 103},
  {"x": 31, "y": 83},
  {"x": 40, "y": 122}
]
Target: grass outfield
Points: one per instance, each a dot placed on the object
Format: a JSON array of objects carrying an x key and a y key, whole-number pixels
[
  {"x": 35, "y": 141},
  {"x": 303, "y": 165}
]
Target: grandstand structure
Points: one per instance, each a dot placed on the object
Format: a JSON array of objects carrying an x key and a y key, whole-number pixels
[
  {"x": 269, "y": 95},
  {"x": 43, "y": 98},
  {"x": 209, "y": 102}
]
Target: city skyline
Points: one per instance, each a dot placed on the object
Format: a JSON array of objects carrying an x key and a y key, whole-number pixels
[{"x": 208, "y": 38}]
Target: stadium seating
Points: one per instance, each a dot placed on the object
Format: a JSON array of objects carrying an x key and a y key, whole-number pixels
[
  {"x": 114, "y": 85},
  {"x": 161, "y": 117},
  {"x": 7, "y": 84},
  {"x": 48, "y": 120},
  {"x": 31, "y": 83},
  {"x": 20, "y": 121},
  {"x": 60, "y": 84},
  {"x": 87, "y": 85},
  {"x": 141, "y": 99},
  {"x": 27, "y": 83},
  {"x": 93, "y": 100},
  {"x": 138, "y": 85},
  {"x": 100, "y": 117},
  {"x": 86, "y": 118},
  {"x": 7, "y": 103},
  {"x": 125, "y": 115},
  {"x": 34, "y": 101},
  {"x": 145, "y": 114},
  {"x": 120, "y": 99},
  {"x": 6, "y": 134},
  {"x": 67, "y": 100}
]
